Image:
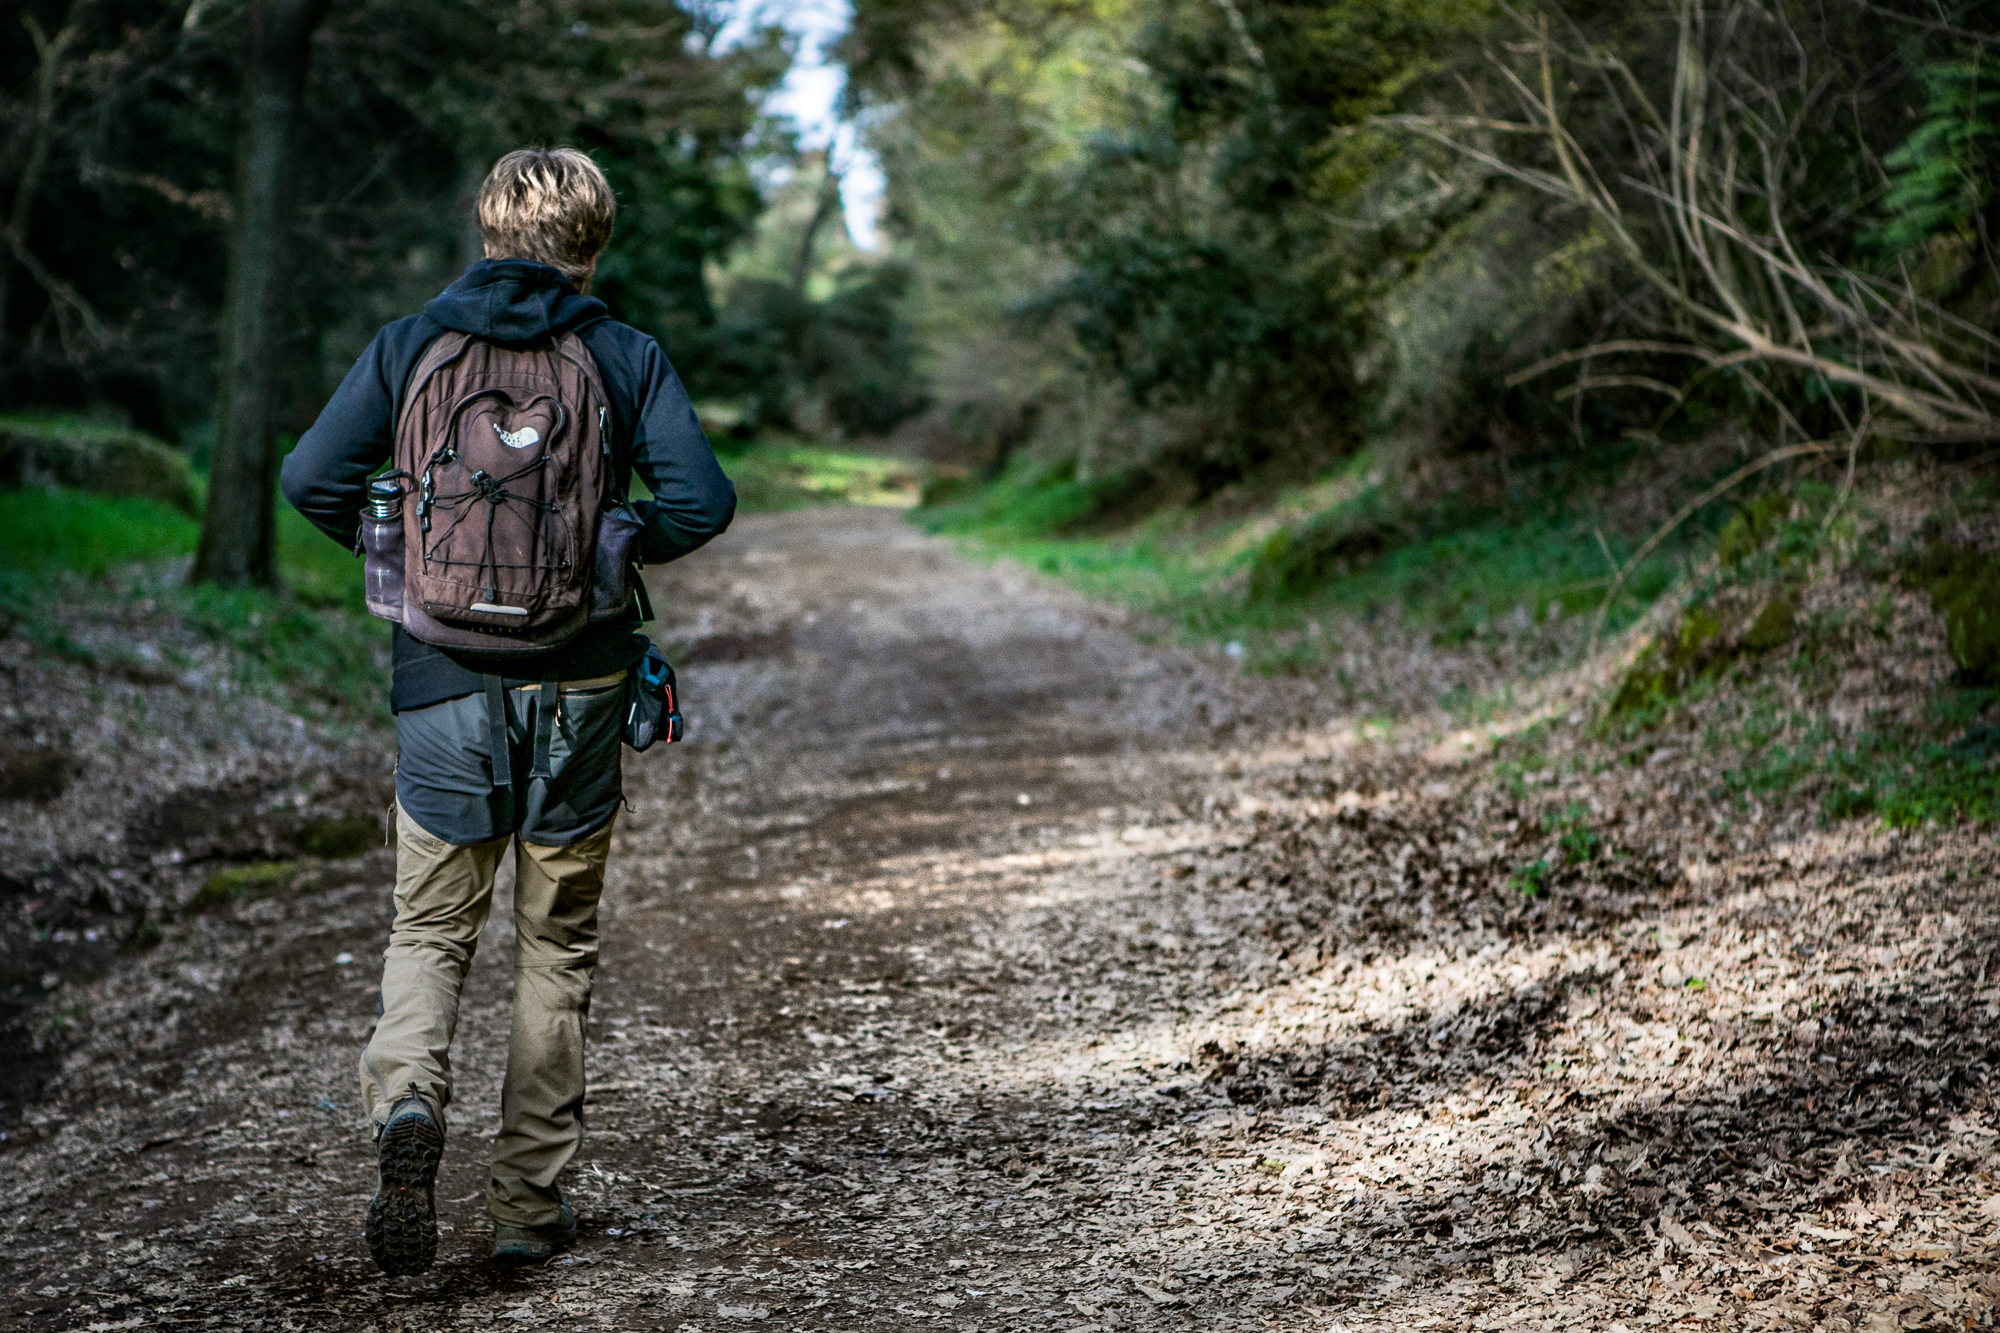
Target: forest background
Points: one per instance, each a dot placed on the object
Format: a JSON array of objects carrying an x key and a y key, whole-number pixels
[{"x": 1490, "y": 326}]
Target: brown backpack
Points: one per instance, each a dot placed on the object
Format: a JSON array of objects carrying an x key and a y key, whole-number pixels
[{"x": 518, "y": 535}]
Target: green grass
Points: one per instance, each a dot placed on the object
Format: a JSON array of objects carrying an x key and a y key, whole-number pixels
[
  {"x": 235, "y": 884},
  {"x": 779, "y": 474},
  {"x": 313, "y": 636},
  {"x": 1576, "y": 839},
  {"x": 1742, "y": 632},
  {"x": 60, "y": 547},
  {"x": 1520, "y": 756},
  {"x": 1451, "y": 571},
  {"x": 75, "y": 532},
  {"x": 314, "y": 568},
  {"x": 336, "y": 655},
  {"x": 71, "y": 424},
  {"x": 1532, "y": 879},
  {"x": 49, "y": 530},
  {"x": 1946, "y": 772}
]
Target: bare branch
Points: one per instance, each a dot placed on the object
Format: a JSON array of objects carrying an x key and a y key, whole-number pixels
[
  {"x": 211, "y": 204},
  {"x": 1688, "y": 510},
  {"x": 1561, "y": 359},
  {"x": 1717, "y": 158},
  {"x": 1589, "y": 382},
  {"x": 1448, "y": 122}
]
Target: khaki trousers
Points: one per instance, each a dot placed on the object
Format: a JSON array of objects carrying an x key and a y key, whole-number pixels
[{"x": 443, "y": 894}]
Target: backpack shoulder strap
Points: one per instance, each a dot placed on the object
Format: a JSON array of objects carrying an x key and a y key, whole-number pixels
[
  {"x": 624, "y": 410},
  {"x": 443, "y": 350},
  {"x": 571, "y": 347}
]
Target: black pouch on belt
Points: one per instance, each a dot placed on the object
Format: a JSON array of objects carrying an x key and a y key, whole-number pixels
[{"x": 652, "y": 711}]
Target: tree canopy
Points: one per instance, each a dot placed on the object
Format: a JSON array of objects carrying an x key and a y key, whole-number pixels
[
  {"x": 115, "y": 176},
  {"x": 1192, "y": 241}
]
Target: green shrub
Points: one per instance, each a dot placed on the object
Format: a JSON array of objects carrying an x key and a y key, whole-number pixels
[
  {"x": 1532, "y": 879},
  {"x": 1576, "y": 839},
  {"x": 1939, "y": 177}
]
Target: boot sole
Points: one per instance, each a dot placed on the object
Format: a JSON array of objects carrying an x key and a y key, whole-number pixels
[
  {"x": 532, "y": 1249},
  {"x": 527, "y": 1251},
  {"x": 518, "y": 1245},
  {"x": 402, "y": 1222}
]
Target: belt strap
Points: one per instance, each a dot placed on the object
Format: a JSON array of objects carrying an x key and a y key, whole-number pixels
[
  {"x": 545, "y": 725},
  {"x": 594, "y": 683},
  {"x": 496, "y": 732}
]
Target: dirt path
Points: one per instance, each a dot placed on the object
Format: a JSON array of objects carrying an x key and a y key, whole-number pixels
[{"x": 977, "y": 966}]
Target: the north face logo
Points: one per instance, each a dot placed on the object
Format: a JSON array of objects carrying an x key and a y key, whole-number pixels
[{"x": 517, "y": 439}]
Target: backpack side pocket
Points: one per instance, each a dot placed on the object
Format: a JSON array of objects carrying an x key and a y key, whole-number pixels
[{"x": 613, "y": 575}]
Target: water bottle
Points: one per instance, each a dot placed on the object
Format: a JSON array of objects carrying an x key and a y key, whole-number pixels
[{"x": 382, "y": 548}]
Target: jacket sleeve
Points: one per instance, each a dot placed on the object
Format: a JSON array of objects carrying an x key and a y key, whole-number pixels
[
  {"x": 693, "y": 500},
  {"x": 326, "y": 476}
]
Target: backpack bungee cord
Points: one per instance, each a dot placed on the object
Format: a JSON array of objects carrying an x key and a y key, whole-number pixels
[{"x": 493, "y": 492}]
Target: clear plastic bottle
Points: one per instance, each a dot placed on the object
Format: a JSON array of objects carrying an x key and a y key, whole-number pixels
[{"x": 382, "y": 548}]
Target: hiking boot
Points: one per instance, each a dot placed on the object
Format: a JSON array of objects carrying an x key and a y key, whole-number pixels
[
  {"x": 402, "y": 1229},
  {"x": 533, "y": 1245}
]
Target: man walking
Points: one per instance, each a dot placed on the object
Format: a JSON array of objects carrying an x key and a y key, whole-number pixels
[{"x": 511, "y": 685}]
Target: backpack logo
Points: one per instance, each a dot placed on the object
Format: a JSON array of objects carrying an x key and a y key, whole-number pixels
[{"x": 517, "y": 439}]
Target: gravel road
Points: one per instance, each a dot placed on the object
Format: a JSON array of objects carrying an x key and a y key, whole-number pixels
[{"x": 978, "y": 965}]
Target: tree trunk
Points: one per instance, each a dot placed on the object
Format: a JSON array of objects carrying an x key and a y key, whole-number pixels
[
  {"x": 824, "y": 208},
  {"x": 239, "y": 530}
]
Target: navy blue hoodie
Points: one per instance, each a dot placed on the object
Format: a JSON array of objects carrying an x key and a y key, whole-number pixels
[{"x": 654, "y": 432}]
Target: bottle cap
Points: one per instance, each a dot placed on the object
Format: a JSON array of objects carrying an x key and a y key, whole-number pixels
[{"x": 385, "y": 499}]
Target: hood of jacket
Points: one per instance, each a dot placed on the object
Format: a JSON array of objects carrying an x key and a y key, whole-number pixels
[{"x": 513, "y": 300}]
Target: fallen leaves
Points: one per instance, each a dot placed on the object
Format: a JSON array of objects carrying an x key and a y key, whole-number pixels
[{"x": 1174, "y": 1046}]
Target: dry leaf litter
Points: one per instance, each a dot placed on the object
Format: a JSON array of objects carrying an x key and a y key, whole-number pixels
[{"x": 976, "y": 966}]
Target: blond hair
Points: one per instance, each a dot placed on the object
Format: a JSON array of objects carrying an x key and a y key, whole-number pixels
[{"x": 551, "y": 205}]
